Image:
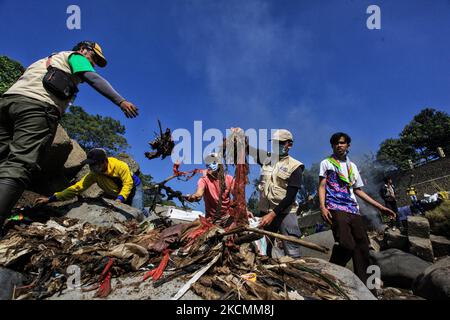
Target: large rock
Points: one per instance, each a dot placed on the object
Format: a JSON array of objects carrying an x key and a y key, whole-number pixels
[
  {"x": 421, "y": 248},
  {"x": 59, "y": 165},
  {"x": 51, "y": 178},
  {"x": 346, "y": 279},
  {"x": 76, "y": 156},
  {"x": 8, "y": 280},
  {"x": 393, "y": 239},
  {"x": 434, "y": 282},
  {"x": 58, "y": 153},
  {"x": 418, "y": 227},
  {"x": 441, "y": 246},
  {"x": 325, "y": 239},
  {"x": 398, "y": 268},
  {"x": 101, "y": 212}
]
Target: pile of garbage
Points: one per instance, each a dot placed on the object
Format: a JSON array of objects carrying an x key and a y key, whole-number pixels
[{"x": 205, "y": 256}]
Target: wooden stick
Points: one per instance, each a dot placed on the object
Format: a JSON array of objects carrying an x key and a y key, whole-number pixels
[
  {"x": 303, "y": 243},
  {"x": 194, "y": 279},
  {"x": 300, "y": 242}
]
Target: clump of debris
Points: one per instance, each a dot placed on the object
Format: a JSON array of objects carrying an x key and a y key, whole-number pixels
[{"x": 210, "y": 261}]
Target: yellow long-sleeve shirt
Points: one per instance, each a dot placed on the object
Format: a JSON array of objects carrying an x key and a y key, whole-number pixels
[{"x": 118, "y": 171}]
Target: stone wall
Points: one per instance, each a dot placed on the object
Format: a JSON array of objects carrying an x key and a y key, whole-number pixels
[{"x": 428, "y": 178}]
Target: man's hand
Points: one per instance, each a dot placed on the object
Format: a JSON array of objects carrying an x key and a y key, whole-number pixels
[
  {"x": 388, "y": 212},
  {"x": 129, "y": 109},
  {"x": 267, "y": 219},
  {"x": 326, "y": 215},
  {"x": 41, "y": 201},
  {"x": 191, "y": 198}
]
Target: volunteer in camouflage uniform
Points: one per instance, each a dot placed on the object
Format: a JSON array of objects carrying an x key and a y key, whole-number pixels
[
  {"x": 29, "y": 115},
  {"x": 281, "y": 178}
]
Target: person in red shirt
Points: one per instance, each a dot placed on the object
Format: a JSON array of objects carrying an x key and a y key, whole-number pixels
[{"x": 210, "y": 186}]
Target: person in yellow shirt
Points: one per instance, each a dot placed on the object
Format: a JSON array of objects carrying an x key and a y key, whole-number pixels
[{"x": 113, "y": 176}]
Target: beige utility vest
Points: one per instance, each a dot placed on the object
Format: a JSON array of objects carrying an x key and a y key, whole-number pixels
[
  {"x": 274, "y": 182},
  {"x": 30, "y": 83}
]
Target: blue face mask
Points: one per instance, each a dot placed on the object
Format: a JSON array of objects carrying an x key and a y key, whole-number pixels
[{"x": 213, "y": 166}]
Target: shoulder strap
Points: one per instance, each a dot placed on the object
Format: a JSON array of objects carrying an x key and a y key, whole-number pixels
[{"x": 49, "y": 61}]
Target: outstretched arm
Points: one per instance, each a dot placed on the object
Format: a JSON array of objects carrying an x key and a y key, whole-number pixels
[
  {"x": 102, "y": 86},
  {"x": 364, "y": 196},
  {"x": 197, "y": 196},
  {"x": 69, "y": 193}
]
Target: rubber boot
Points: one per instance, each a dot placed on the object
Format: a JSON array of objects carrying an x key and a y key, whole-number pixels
[{"x": 10, "y": 192}]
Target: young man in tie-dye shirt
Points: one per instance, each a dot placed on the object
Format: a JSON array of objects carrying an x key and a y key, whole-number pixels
[{"x": 339, "y": 184}]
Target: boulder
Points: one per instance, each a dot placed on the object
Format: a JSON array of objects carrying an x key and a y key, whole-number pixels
[
  {"x": 56, "y": 157},
  {"x": 441, "y": 246},
  {"x": 393, "y": 239},
  {"x": 8, "y": 280},
  {"x": 398, "y": 268},
  {"x": 345, "y": 279},
  {"x": 101, "y": 212},
  {"x": 418, "y": 227},
  {"x": 59, "y": 164},
  {"x": 325, "y": 239},
  {"x": 421, "y": 248},
  {"x": 434, "y": 282},
  {"x": 76, "y": 156}
]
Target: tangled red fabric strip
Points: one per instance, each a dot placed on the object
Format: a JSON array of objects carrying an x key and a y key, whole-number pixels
[
  {"x": 105, "y": 281},
  {"x": 178, "y": 173},
  {"x": 157, "y": 272},
  {"x": 205, "y": 226}
]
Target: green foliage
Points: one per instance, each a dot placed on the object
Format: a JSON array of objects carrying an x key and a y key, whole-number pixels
[
  {"x": 95, "y": 131},
  {"x": 252, "y": 203},
  {"x": 440, "y": 219},
  {"x": 311, "y": 179},
  {"x": 149, "y": 194},
  {"x": 397, "y": 153},
  {"x": 147, "y": 184},
  {"x": 428, "y": 130},
  {"x": 418, "y": 141},
  {"x": 10, "y": 71}
]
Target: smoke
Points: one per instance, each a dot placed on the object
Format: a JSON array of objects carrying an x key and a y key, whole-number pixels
[
  {"x": 372, "y": 173},
  {"x": 372, "y": 215}
]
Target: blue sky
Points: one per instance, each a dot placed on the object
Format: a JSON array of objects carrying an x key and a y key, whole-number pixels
[{"x": 312, "y": 67}]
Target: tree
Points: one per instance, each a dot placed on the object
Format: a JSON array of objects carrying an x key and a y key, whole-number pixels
[
  {"x": 10, "y": 71},
  {"x": 311, "y": 180},
  {"x": 307, "y": 195},
  {"x": 253, "y": 200},
  {"x": 419, "y": 140},
  {"x": 428, "y": 130},
  {"x": 395, "y": 152},
  {"x": 95, "y": 131}
]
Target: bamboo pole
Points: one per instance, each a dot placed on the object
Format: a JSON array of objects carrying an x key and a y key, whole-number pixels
[{"x": 300, "y": 242}]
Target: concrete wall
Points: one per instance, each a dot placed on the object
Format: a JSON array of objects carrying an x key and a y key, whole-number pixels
[{"x": 429, "y": 178}]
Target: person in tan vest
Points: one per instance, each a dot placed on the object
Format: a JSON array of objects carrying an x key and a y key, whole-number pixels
[
  {"x": 280, "y": 180},
  {"x": 31, "y": 108}
]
